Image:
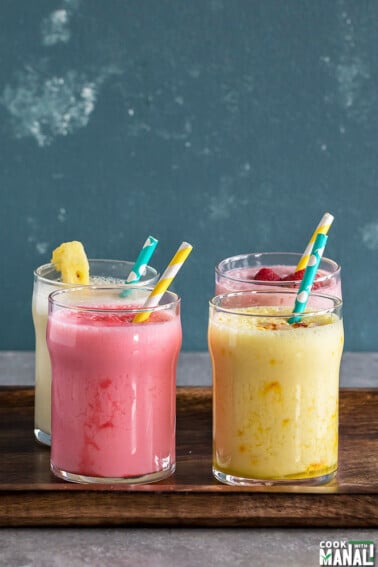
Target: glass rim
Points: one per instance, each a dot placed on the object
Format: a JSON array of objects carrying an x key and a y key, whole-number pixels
[
  {"x": 88, "y": 309},
  {"x": 336, "y": 268},
  {"x": 337, "y": 304},
  {"x": 37, "y": 271}
]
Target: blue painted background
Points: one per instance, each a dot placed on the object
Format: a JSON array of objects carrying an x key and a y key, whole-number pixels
[{"x": 231, "y": 124}]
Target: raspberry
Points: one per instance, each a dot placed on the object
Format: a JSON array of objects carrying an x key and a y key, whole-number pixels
[
  {"x": 267, "y": 275},
  {"x": 298, "y": 276},
  {"x": 294, "y": 276},
  {"x": 317, "y": 285}
]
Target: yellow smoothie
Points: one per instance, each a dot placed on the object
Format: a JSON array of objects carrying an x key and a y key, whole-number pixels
[{"x": 275, "y": 393}]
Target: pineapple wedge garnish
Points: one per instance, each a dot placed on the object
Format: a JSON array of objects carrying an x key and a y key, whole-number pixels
[{"x": 71, "y": 261}]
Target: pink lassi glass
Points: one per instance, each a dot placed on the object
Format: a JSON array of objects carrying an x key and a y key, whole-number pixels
[
  {"x": 113, "y": 385},
  {"x": 46, "y": 280},
  {"x": 237, "y": 273}
]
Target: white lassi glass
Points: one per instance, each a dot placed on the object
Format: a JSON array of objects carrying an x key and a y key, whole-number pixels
[
  {"x": 113, "y": 385},
  {"x": 275, "y": 388},
  {"x": 237, "y": 273},
  {"x": 47, "y": 280}
]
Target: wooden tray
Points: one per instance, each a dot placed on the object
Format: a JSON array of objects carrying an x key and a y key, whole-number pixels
[{"x": 31, "y": 496}]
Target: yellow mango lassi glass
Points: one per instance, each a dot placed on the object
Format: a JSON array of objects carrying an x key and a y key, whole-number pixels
[{"x": 275, "y": 388}]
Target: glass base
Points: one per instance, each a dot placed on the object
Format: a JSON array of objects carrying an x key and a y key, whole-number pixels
[
  {"x": 233, "y": 480},
  {"x": 142, "y": 479},
  {"x": 42, "y": 437}
]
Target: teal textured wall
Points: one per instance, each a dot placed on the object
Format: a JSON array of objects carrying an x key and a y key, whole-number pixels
[{"x": 231, "y": 124}]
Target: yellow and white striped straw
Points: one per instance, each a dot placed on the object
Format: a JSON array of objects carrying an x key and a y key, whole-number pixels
[
  {"x": 165, "y": 281},
  {"x": 322, "y": 228}
]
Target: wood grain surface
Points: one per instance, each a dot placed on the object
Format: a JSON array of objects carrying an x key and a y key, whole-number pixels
[{"x": 31, "y": 496}]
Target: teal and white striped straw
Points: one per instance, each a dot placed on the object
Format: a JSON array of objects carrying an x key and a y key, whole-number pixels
[
  {"x": 140, "y": 266},
  {"x": 309, "y": 277}
]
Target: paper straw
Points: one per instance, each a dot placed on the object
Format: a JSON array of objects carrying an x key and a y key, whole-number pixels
[
  {"x": 165, "y": 280},
  {"x": 140, "y": 266},
  {"x": 322, "y": 228},
  {"x": 309, "y": 276}
]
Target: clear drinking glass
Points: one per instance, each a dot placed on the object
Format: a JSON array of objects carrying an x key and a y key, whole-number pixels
[
  {"x": 275, "y": 388},
  {"x": 47, "y": 280},
  {"x": 113, "y": 385},
  {"x": 237, "y": 273}
]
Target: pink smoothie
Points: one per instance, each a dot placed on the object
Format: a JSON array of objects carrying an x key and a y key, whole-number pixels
[
  {"x": 242, "y": 279},
  {"x": 113, "y": 392}
]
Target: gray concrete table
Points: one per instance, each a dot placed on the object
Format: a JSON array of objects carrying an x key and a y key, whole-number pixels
[
  {"x": 358, "y": 370},
  {"x": 163, "y": 547}
]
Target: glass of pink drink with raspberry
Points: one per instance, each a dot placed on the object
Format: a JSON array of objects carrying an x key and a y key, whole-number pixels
[
  {"x": 113, "y": 385},
  {"x": 273, "y": 271}
]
